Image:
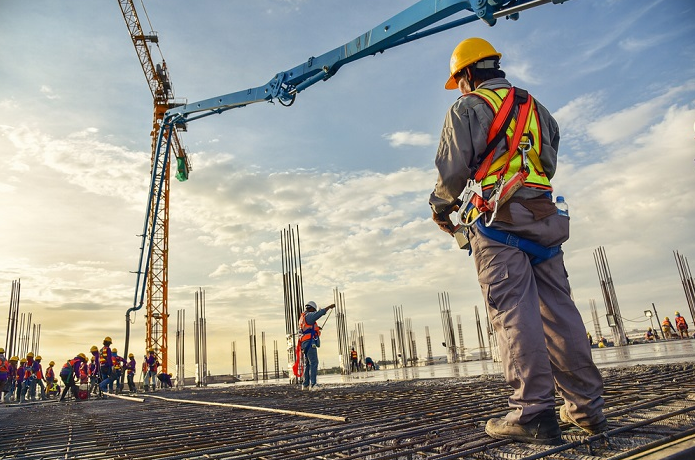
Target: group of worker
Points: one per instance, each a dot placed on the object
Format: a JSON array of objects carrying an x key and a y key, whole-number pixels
[
  {"x": 669, "y": 331},
  {"x": 101, "y": 373}
]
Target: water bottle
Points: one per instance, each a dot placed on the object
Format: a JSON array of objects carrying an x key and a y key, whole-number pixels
[{"x": 562, "y": 207}]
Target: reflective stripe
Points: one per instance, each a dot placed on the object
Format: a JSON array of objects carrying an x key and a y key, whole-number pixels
[
  {"x": 308, "y": 331},
  {"x": 532, "y": 133}
]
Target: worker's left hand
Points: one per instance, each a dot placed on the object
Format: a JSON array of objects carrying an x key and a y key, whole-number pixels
[{"x": 442, "y": 219}]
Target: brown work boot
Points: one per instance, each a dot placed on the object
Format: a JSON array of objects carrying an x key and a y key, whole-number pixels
[
  {"x": 542, "y": 429},
  {"x": 591, "y": 428}
]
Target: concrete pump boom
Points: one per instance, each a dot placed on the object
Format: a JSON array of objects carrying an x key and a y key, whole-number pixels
[{"x": 406, "y": 26}]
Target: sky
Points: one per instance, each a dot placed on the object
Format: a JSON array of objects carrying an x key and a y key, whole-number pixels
[{"x": 351, "y": 163}]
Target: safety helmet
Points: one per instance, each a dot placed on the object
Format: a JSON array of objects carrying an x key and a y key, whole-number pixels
[
  {"x": 310, "y": 304},
  {"x": 93, "y": 349},
  {"x": 108, "y": 339},
  {"x": 23, "y": 360},
  {"x": 38, "y": 358},
  {"x": 113, "y": 350},
  {"x": 82, "y": 355},
  {"x": 30, "y": 355},
  {"x": 92, "y": 358},
  {"x": 14, "y": 358},
  {"x": 169, "y": 375},
  {"x": 677, "y": 314},
  {"x": 665, "y": 318},
  {"x": 2, "y": 350},
  {"x": 150, "y": 350},
  {"x": 130, "y": 355},
  {"x": 52, "y": 363},
  {"x": 466, "y": 53}
]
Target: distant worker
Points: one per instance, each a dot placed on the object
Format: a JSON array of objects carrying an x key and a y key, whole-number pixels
[
  {"x": 354, "y": 366},
  {"x": 310, "y": 341},
  {"x": 649, "y": 335},
  {"x": 667, "y": 328},
  {"x": 11, "y": 383},
  {"x": 165, "y": 380},
  {"x": 130, "y": 373},
  {"x": 498, "y": 137},
  {"x": 105, "y": 365},
  {"x": 681, "y": 325},
  {"x": 591, "y": 339},
  {"x": 38, "y": 371},
  {"x": 94, "y": 371},
  {"x": 19, "y": 379},
  {"x": 29, "y": 381},
  {"x": 116, "y": 368},
  {"x": 69, "y": 373},
  {"x": 50, "y": 379},
  {"x": 369, "y": 363},
  {"x": 151, "y": 364},
  {"x": 4, "y": 373}
]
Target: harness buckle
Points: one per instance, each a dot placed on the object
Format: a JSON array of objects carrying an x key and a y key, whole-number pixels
[{"x": 473, "y": 188}]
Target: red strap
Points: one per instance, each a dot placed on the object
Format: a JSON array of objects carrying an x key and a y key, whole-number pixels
[{"x": 497, "y": 124}]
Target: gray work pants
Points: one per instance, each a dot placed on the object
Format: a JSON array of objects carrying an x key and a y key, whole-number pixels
[{"x": 541, "y": 335}]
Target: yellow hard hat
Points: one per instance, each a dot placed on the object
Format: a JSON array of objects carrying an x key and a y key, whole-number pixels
[
  {"x": 23, "y": 360},
  {"x": 93, "y": 349},
  {"x": 30, "y": 355},
  {"x": 665, "y": 318},
  {"x": 14, "y": 358},
  {"x": 677, "y": 314},
  {"x": 466, "y": 53},
  {"x": 52, "y": 363},
  {"x": 82, "y": 355},
  {"x": 113, "y": 350},
  {"x": 108, "y": 339},
  {"x": 151, "y": 350},
  {"x": 2, "y": 350},
  {"x": 130, "y": 355},
  {"x": 39, "y": 358}
]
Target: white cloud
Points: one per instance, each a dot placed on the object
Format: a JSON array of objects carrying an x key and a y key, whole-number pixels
[
  {"x": 402, "y": 138},
  {"x": 48, "y": 92}
]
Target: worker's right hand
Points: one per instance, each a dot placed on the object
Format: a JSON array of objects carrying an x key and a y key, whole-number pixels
[
  {"x": 443, "y": 221},
  {"x": 330, "y": 306}
]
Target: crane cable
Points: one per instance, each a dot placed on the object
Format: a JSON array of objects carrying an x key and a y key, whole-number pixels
[{"x": 142, "y": 2}]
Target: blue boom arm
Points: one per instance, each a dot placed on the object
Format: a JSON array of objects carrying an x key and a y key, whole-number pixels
[{"x": 402, "y": 28}]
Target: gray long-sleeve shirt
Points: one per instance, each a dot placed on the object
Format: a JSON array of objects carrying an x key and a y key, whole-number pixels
[{"x": 464, "y": 140}]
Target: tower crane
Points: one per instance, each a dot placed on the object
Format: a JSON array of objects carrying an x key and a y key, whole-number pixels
[{"x": 157, "y": 225}]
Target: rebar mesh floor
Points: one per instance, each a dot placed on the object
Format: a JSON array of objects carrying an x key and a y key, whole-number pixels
[{"x": 646, "y": 406}]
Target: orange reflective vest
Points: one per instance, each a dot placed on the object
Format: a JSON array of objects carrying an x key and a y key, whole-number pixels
[
  {"x": 505, "y": 166},
  {"x": 308, "y": 331},
  {"x": 353, "y": 355},
  {"x": 680, "y": 323},
  {"x": 104, "y": 355}
]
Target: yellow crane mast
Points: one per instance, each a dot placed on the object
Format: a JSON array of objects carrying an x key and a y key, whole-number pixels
[{"x": 163, "y": 96}]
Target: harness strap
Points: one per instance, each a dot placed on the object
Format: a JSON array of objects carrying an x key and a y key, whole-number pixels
[
  {"x": 537, "y": 253},
  {"x": 498, "y": 128}
]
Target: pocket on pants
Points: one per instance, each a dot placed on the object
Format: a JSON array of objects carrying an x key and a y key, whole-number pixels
[{"x": 490, "y": 278}]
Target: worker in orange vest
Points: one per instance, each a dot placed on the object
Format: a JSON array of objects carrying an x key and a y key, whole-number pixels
[
  {"x": 353, "y": 361},
  {"x": 681, "y": 325},
  {"x": 310, "y": 340}
]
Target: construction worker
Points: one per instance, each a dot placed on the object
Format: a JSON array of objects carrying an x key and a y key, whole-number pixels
[
  {"x": 50, "y": 379},
  {"x": 151, "y": 364},
  {"x": 681, "y": 325},
  {"x": 4, "y": 372},
  {"x": 667, "y": 328},
  {"x": 11, "y": 379},
  {"x": 69, "y": 372},
  {"x": 116, "y": 369},
  {"x": 94, "y": 371},
  {"x": 649, "y": 335},
  {"x": 39, "y": 378},
  {"x": 165, "y": 380},
  {"x": 29, "y": 381},
  {"x": 369, "y": 363},
  {"x": 519, "y": 262},
  {"x": 19, "y": 379},
  {"x": 130, "y": 369},
  {"x": 105, "y": 364},
  {"x": 353, "y": 361},
  {"x": 310, "y": 340}
]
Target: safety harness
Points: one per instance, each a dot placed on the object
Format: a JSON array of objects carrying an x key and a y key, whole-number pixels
[{"x": 518, "y": 167}]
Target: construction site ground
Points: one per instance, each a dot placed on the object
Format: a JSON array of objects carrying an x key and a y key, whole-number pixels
[{"x": 650, "y": 408}]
